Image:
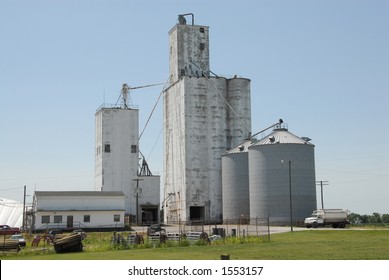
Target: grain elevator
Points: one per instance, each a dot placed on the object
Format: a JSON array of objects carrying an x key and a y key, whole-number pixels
[
  {"x": 204, "y": 115},
  {"x": 117, "y": 161}
]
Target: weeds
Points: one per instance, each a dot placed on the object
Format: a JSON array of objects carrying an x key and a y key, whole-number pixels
[{"x": 310, "y": 244}]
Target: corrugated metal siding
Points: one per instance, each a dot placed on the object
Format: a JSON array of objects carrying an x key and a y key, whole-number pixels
[
  {"x": 235, "y": 186},
  {"x": 269, "y": 181}
]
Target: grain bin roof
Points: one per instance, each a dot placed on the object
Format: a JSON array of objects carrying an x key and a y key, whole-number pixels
[
  {"x": 241, "y": 148},
  {"x": 282, "y": 136}
]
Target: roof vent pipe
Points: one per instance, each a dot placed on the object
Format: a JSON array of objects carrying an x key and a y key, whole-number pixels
[{"x": 182, "y": 20}]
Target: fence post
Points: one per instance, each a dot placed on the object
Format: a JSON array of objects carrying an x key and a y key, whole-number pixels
[
  {"x": 268, "y": 227},
  {"x": 256, "y": 225},
  {"x": 238, "y": 228}
]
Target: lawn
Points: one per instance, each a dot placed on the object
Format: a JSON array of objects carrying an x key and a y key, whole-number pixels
[{"x": 352, "y": 244}]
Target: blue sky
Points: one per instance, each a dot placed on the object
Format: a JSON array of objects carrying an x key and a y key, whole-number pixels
[{"x": 321, "y": 66}]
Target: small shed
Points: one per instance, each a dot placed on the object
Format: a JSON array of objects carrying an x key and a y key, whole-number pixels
[{"x": 78, "y": 209}]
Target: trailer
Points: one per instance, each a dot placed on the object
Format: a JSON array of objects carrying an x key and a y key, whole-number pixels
[
  {"x": 69, "y": 243},
  {"x": 337, "y": 218}
]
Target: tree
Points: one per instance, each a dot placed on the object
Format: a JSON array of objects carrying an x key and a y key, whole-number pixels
[
  {"x": 354, "y": 218},
  {"x": 375, "y": 218},
  {"x": 385, "y": 218},
  {"x": 365, "y": 219}
]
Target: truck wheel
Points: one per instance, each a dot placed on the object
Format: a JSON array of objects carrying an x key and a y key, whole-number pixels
[
  {"x": 334, "y": 225},
  {"x": 308, "y": 225},
  {"x": 314, "y": 225}
]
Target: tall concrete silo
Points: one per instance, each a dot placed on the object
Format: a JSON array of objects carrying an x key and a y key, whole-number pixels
[
  {"x": 282, "y": 177},
  {"x": 235, "y": 184},
  {"x": 239, "y": 113}
]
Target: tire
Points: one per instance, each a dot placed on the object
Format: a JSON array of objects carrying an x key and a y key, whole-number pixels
[
  {"x": 314, "y": 225},
  {"x": 308, "y": 225}
]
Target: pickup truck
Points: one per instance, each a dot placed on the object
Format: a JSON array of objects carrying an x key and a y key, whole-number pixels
[{"x": 7, "y": 230}]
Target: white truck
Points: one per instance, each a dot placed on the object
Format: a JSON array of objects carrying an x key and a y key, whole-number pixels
[{"x": 322, "y": 217}]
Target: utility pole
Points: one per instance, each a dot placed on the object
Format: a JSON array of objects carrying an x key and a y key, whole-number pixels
[
  {"x": 321, "y": 184},
  {"x": 137, "y": 192},
  {"x": 24, "y": 209},
  {"x": 290, "y": 191},
  {"x": 290, "y": 196}
]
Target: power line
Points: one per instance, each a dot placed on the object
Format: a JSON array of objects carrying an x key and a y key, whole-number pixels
[
  {"x": 152, "y": 111},
  {"x": 10, "y": 189}
]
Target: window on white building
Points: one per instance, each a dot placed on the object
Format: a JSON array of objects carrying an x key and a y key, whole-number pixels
[
  {"x": 57, "y": 219},
  {"x": 116, "y": 218},
  {"x": 86, "y": 218},
  {"x": 107, "y": 148},
  {"x": 45, "y": 219}
]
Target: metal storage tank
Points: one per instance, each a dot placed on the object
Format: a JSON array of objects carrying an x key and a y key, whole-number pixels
[
  {"x": 235, "y": 184},
  {"x": 273, "y": 184}
]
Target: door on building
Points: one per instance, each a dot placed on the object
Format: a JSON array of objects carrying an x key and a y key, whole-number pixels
[
  {"x": 196, "y": 213},
  {"x": 69, "y": 221},
  {"x": 150, "y": 215}
]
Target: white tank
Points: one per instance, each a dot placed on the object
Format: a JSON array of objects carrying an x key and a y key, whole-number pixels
[
  {"x": 269, "y": 184},
  {"x": 235, "y": 184}
]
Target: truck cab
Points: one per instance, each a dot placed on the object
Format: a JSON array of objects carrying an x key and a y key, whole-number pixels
[{"x": 314, "y": 220}]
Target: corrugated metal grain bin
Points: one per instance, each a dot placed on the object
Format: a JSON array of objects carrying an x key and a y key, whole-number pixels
[
  {"x": 235, "y": 184},
  {"x": 269, "y": 178}
]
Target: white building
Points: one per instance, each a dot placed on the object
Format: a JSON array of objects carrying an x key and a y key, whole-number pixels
[
  {"x": 203, "y": 117},
  {"x": 117, "y": 165},
  {"x": 78, "y": 209},
  {"x": 117, "y": 155}
]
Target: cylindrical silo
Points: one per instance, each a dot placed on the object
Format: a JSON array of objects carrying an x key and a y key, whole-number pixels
[
  {"x": 235, "y": 185},
  {"x": 238, "y": 111},
  {"x": 273, "y": 185}
]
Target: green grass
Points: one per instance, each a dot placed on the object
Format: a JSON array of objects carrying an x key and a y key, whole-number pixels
[{"x": 299, "y": 245}]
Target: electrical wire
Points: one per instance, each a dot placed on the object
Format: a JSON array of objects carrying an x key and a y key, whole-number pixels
[{"x": 155, "y": 105}]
